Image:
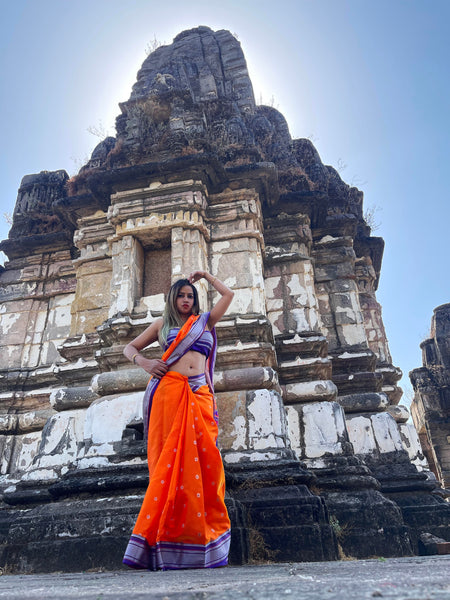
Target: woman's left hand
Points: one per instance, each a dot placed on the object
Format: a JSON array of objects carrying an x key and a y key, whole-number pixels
[
  {"x": 219, "y": 309},
  {"x": 195, "y": 276}
]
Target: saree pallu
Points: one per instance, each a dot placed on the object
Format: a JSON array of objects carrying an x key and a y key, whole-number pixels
[{"x": 183, "y": 522}]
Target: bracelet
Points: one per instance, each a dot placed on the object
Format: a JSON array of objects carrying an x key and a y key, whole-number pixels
[
  {"x": 212, "y": 282},
  {"x": 133, "y": 358}
]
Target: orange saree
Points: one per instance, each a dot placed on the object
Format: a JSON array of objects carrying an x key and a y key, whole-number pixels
[{"x": 183, "y": 522}]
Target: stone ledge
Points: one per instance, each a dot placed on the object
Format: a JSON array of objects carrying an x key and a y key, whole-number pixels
[
  {"x": 309, "y": 391},
  {"x": 355, "y": 403}
]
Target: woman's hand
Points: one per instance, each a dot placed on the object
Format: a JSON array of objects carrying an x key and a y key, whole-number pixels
[
  {"x": 226, "y": 294},
  {"x": 154, "y": 366},
  {"x": 196, "y": 275}
]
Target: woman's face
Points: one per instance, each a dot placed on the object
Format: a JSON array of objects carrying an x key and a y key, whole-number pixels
[{"x": 185, "y": 301}]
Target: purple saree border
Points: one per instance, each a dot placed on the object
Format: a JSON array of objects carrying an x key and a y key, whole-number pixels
[{"x": 176, "y": 555}]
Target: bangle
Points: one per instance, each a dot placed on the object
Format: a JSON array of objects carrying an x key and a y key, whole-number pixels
[
  {"x": 212, "y": 282},
  {"x": 133, "y": 358}
]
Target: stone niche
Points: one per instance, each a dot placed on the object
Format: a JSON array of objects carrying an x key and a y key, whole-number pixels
[{"x": 320, "y": 460}]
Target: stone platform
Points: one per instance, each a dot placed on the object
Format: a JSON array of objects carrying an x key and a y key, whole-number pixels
[{"x": 396, "y": 578}]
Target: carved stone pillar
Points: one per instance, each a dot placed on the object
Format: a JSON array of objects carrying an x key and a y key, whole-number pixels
[
  {"x": 252, "y": 402},
  {"x": 90, "y": 306},
  {"x": 337, "y": 293},
  {"x": 93, "y": 271},
  {"x": 293, "y": 310},
  {"x": 366, "y": 278},
  {"x": 127, "y": 275},
  {"x": 237, "y": 243}
]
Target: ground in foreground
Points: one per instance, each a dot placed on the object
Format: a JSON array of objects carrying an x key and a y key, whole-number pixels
[{"x": 412, "y": 578}]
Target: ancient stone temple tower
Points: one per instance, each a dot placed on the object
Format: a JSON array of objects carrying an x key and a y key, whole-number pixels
[
  {"x": 430, "y": 408},
  {"x": 319, "y": 458}
]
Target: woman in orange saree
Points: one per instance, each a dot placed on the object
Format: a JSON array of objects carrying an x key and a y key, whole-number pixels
[{"x": 183, "y": 522}]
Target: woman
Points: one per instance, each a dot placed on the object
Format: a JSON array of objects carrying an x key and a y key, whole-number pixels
[{"x": 183, "y": 522}]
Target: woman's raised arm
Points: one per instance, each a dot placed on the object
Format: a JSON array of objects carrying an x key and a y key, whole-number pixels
[{"x": 224, "y": 301}]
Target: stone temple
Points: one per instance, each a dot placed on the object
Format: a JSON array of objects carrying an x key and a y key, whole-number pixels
[
  {"x": 321, "y": 462},
  {"x": 430, "y": 408}
]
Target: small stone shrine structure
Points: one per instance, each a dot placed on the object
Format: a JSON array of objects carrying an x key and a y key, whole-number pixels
[
  {"x": 430, "y": 408},
  {"x": 319, "y": 457}
]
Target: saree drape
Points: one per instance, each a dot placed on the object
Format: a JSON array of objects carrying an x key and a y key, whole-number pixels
[{"x": 183, "y": 522}]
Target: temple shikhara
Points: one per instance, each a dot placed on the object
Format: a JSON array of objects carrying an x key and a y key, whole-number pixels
[{"x": 320, "y": 459}]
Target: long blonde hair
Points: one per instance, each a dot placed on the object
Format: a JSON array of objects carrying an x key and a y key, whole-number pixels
[{"x": 171, "y": 316}]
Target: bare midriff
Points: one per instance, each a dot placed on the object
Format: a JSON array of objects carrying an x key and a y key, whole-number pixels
[{"x": 191, "y": 363}]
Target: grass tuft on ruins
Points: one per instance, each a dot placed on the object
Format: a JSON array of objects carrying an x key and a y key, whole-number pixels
[{"x": 321, "y": 461}]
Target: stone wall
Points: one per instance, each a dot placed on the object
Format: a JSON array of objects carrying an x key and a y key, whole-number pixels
[
  {"x": 320, "y": 460},
  {"x": 430, "y": 408}
]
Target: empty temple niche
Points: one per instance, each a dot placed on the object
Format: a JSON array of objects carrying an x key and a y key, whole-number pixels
[{"x": 157, "y": 271}]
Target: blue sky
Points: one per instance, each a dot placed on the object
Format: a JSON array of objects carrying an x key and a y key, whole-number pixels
[{"x": 367, "y": 81}]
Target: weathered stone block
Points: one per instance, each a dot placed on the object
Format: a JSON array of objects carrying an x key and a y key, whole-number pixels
[
  {"x": 322, "y": 429},
  {"x": 243, "y": 379},
  {"x": 106, "y": 418},
  {"x": 277, "y": 321},
  {"x": 309, "y": 391},
  {"x": 359, "y": 382},
  {"x": 13, "y": 325},
  {"x": 72, "y": 398},
  {"x": 266, "y": 420},
  {"x": 412, "y": 445},
  {"x": 93, "y": 289},
  {"x": 258, "y": 425},
  {"x": 275, "y": 304},
  {"x": 246, "y": 300},
  {"x": 33, "y": 421},
  {"x": 305, "y": 369},
  {"x": 155, "y": 303},
  {"x": 374, "y": 433},
  {"x": 363, "y": 402},
  {"x": 351, "y": 334},
  {"x": 399, "y": 413},
  {"x": 232, "y": 407},
  {"x": 58, "y": 318},
  {"x": 108, "y": 383},
  {"x": 242, "y": 244},
  {"x": 17, "y": 452},
  {"x": 6, "y": 447},
  {"x": 386, "y": 433},
  {"x": 330, "y": 272},
  {"x": 87, "y": 321},
  {"x": 306, "y": 345},
  {"x": 361, "y": 434},
  {"x": 58, "y": 449}
]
